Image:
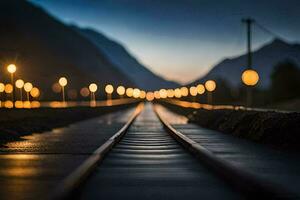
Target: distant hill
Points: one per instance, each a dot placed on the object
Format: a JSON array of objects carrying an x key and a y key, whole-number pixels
[
  {"x": 45, "y": 49},
  {"x": 264, "y": 60},
  {"x": 125, "y": 62}
]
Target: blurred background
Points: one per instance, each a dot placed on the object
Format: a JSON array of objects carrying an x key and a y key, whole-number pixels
[{"x": 154, "y": 45}]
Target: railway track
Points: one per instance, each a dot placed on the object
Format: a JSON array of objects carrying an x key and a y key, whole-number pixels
[{"x": 149, "y": 159}]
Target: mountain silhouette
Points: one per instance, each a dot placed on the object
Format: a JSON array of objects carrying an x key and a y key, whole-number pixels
[
  {"x": 45, "y": 49},
  {"x": 125, "y": 62},
  {"x": 264, "y": 61}
]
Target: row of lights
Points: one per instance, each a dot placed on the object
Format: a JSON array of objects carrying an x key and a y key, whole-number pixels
[
  {"x": 20, "y": 84},
  {"x": 209, "y": 86},
  {"x": 249, "y": 77}
]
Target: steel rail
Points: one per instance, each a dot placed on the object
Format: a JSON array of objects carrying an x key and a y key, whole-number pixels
[
  {"x": 251, "y": 185},
  {"x": 70, "y": 185}
]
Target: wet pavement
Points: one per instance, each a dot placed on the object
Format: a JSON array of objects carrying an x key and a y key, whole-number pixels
[
  {"x": 149, "y": 164},
  {"x": 32, "y": 168},
  {"x": 280, "y": 167}
]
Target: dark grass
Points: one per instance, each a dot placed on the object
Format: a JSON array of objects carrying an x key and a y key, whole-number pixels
[
  {"x": 15, "y": 123},
  {"x": 276, "y": 129}
]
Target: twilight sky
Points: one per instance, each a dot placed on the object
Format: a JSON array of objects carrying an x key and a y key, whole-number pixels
[{"x": 181, "y": 39}]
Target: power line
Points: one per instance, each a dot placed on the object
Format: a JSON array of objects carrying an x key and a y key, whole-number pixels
[{"x": 268, "y": 31}]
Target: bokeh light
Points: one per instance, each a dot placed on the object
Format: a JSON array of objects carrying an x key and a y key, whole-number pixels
[
  {"x": 35, "y": 92},
  {"x": 8, "y": 88},
  {"x": 129, "y": 92},
  {"x": 250, "y": 77},
  {"x": 170, "y": 93},
  {"x": 184, "y": 91},
  {"x": 56, "y": 88},
  {"x": 121, "y": 90},
  {"x": 11, "y": 68},
  {"x": 19, "y": 83},
  {"x": 93, "y": 87},
  {"x": 177, "y": 93},
  {"x": 193, "y": 91},
  {"x": 136, "y": 93},
  {"x": 63, "y": 81},
  {"x": 85, "y": 92},
  {"x": 28, "y": 87},
  {"x": 163, "y": 93},
  {"x": 109, "y": 89},
  {"x": 156, "y": 95},
  {"x": 150, "y": 96},
  {"x": 200, "y": 89},
  {"x": 19, "y": 104},
  {"x": 143, "y": 94},
  {"x": 8, "y": 104},
  {"x": 210, "y": 85}
]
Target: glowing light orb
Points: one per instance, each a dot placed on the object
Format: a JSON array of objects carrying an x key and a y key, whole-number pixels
[
  {"x": 35, "y": 92},
  {"x": 156, "y": 95},
  {"x": 210, "y": 85},
  {"x": 143, "y": 94},
  {"x": 26, "y": 104},
  {"x": 19, "y": 104},
  {"x": 184, "y": 91},
  {"x": 28, "y": 87},
  {"x": 193, "y": 91},
  {"x": 163, "y": 93},
  {"x": 56, "y": 88},
  {"x": 63, "y": 81},
  {"x": 8, "y": 104},
  {"x": 19, "y": 83},
  {"x": 93, "y": 87},
  {"x": 129, "y": 92},
  {"x": 177, "y": 93},
  {"x": 11, "y": 68},
  {"x": 109, "y": 89},
  {"x": 250, "y": 77},
  {"x": 84, "y": 92},
  {"x": 136, "y": 93},
  {"x": 170, "y": 93},
  {"x": 200, "y": 89},
  {"x": 8, "y": 88},
  {"x": 121, "y": 90},
  {"x": 150, "y": 96}
]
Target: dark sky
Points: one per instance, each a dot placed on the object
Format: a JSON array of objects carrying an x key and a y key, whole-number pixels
[{"x": 181, "y": 40}]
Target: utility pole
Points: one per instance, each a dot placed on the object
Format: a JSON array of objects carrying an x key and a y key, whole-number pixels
[{"x": 249, "y": 22}]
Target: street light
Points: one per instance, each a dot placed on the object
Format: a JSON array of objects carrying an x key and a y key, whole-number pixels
[
  {"x": 150, "y": 96},
  {"x": 200, "y": 89},
  {"x": 28, "y": 87},
  {"x": 63, "y": 82},
  {"x": 210, "y": 86},
  {"x": 129, "y": 92},
  {"x": 109, "y": 89},
  {"x": 193, "y": 92},
  {"x": 250, "y": 78},
  {"x": 93, "y": 88},
  {"x": 35, "y": 92},
  {"x": 177, "y": 93},
  {"x": 11, "y": 68},
  {"x": 184, "y": 91},
  {"x": 121, "y": 90},
  {"x": 143, "y": 94},
  {"x": 20, "y": 84},
  {"x": 163, "y": 93}
]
